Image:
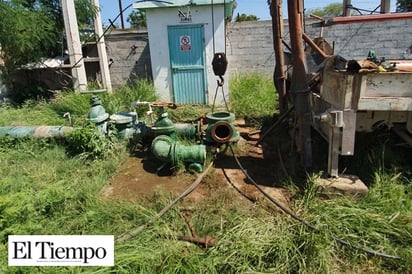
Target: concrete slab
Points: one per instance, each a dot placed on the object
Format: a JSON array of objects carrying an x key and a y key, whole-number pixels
[{"x": 347, "y": 185}]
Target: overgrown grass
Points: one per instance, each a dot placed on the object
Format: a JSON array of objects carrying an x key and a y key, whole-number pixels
[
  {"x": 51, "y": 112},
  {"x": 252, "y": 96},
  {"x": 43, "y": 190}
]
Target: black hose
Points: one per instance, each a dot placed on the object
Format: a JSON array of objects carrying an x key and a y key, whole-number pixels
[{"x": 299, "y": 219}]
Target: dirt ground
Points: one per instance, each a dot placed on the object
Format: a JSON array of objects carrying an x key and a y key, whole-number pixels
[{"x": 138, "y": 176}]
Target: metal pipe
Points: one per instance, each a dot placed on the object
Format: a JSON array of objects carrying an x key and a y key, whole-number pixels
[
  {"x": 168, "y": 150},
  {"x": 279, "y": 76},
  {"x": 368, "y": 18},
  {"x": 347, "y": 4},
  {"x": 35, "y": 131},
  {"x": 299, "y": 86},
  {"x": 121, "y": 14},
  {"x": 220, "y": 128},
  {"x": 385, "y": 6},
  {"x": 313, "y": 45}
]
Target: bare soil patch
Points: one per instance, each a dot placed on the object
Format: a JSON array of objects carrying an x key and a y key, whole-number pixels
[{"x": 138, "y": 176}]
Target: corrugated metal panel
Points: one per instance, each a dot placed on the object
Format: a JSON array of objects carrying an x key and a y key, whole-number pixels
[
  {"x": 187, "y": 61},
  {"x": 189, "y": 87}
]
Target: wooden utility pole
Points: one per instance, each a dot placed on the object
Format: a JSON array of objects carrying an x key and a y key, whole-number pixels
[
  {"x": 73, "y": 43},
  {"x": 101, "y": 49}
]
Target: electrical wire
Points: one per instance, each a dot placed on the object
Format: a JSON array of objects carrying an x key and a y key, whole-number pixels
[
  {"x": 111, "y": 24},
  {"x": 299, "y": 219}
]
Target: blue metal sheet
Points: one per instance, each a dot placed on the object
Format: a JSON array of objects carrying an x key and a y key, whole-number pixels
[{"x": 187, "y": 63}]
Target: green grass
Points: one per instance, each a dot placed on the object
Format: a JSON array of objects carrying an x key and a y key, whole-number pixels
[
  {"x": 43, "y": 190},
  {"x": 252, "y": 96}
]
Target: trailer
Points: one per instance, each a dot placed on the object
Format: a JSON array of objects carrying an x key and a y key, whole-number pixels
[
  {"x": 360, "y": 102},
  {"x": 334, "y": 100}
]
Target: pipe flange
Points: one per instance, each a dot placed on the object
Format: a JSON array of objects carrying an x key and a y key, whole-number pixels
[{"x": 221, "y": 132}]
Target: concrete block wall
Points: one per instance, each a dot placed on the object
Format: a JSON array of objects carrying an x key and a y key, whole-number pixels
[
  {"x": 128, "y": 53},
  {"x": 249, "y": 46},
  {"x": 389, "y": 39}
]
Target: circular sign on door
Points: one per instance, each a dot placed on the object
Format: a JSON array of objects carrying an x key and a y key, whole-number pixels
[{"x": 185, "y": 43}]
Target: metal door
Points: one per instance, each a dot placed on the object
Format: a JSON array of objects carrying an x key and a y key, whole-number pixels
[{"x": 187, "y": 62}]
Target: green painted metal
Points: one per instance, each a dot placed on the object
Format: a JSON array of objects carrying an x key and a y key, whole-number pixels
[
  {"x": 214, "y": 117},
  {"x": 168, "y": 150},
  {"x": 220, "y": 128},
  {"x": 187, "y": 131},
  {"x": 35, "y": 131},
  {"x": 97, "y": 114},
  {"x": 163, "y": 125},
  {"x": 124, "y": 123},
  {"x": 187, "y": 63}
]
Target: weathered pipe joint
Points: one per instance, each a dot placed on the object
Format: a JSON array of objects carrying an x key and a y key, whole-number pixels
[
  {"x": 168, "y": 150},
  {"x": 98, "y": 115},
  {"x": 35, "y": 131},
  {"x": 125, "y": 124},
  {"x": 165, "y": 126},
  {"x": 220, "y": 128}
]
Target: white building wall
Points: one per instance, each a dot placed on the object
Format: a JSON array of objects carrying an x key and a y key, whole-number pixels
[{"x": 157, "y": 22}]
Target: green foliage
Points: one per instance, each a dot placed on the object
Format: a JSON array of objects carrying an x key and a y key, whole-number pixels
[
  {"x": 252, "y": 95},
  {"x": 187, "y": 113},
  {"x": 42, "y": 191},
  {"x": 89, "y": 143},
  {"x": 76, "y": 104},
  {"x": 45, "y": 191},
  {"x": 331, "y": 10},
  {"x": 137, "y": 18},
  {"x": 31, "y": 113},
  {"x": 32, "y": 30},
  {"x": 25, "y": 35},
  {"x": 141, "y": 90},
  {"x": 30, "y": 89},
  {"x": 244, "y": 17},
  {"x": 41, "y": 112},
  {"x": 403, "y": 5}
]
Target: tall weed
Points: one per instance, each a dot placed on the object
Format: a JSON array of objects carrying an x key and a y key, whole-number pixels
[{"x": 252, "y": 95}]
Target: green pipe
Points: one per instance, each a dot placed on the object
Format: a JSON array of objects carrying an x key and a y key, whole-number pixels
[
  {"x": 35, "y": 131},
  {"x": 221, "y": 128},
  {"x": 187, "y": 131},
  {"x": 168, "y": 150}
]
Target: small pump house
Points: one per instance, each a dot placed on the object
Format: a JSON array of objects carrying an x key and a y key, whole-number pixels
[{"x": 184, "y": 36}]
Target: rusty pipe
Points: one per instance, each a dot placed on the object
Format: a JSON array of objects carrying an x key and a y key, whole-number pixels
[
  {"x": 279, "y": 77},
  {"x": 299, "y": 87},
  {"x": 367, "y": 18},
  {"x": 313, "y": 45}
]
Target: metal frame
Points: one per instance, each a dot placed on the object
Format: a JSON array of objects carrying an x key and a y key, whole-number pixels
[{"x": 346, "y": 103}]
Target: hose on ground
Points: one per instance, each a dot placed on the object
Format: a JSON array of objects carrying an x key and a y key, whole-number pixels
[
  {"x": 191, "y": 187},
  {"x": 299, "y": 219}
]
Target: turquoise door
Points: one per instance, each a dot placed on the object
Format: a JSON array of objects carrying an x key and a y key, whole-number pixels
[{"x": 187, "y": 62}]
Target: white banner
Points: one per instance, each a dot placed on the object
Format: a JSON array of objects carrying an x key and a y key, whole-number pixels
[{"x": 61, "y": 250}]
